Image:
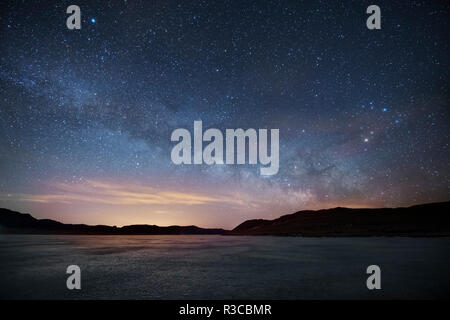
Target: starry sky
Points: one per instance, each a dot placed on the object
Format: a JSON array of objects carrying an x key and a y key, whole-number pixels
[{"x": 86, "y": 115}]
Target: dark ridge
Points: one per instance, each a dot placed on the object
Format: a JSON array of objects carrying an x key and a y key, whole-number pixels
[
  {"x": 426, "y": 220},
  {"x": 23, "y": 223}
]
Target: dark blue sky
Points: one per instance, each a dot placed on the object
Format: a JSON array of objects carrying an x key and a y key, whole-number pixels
[{"x": 86, "y": 115}]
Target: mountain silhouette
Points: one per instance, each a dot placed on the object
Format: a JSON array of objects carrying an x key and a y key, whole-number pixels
[
  {"x": 426, "y": 220},
  {"x": 417, "y": 221},
  {"x": 23, "y": 223}
]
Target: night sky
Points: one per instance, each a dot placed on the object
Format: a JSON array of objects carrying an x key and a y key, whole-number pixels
[{"x": 86, "y": 115}]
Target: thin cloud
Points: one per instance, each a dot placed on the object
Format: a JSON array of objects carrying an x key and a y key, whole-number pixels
[{"x": 116, "y": 194}]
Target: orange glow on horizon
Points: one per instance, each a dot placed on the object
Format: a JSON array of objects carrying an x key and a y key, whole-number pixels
[{"x": 97, "y": 201}]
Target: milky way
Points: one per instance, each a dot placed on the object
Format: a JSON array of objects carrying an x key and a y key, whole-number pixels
[{"x": 86, "y": 115}]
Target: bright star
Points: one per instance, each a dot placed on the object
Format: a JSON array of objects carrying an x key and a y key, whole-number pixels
[{"x": 93, "y": 20}]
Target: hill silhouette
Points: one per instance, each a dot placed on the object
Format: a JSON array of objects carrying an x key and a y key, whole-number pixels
[
  {"x": 426, "y": 220},
  {"x": 23, "y": 223},
  {"x": 417, "y": 221}
]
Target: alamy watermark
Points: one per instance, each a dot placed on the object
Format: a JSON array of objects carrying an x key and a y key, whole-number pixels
[
  {"x": 374, "y": 280},
  {"x": 235, "y": 153},
  {"x": 74, "y": 280}
]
